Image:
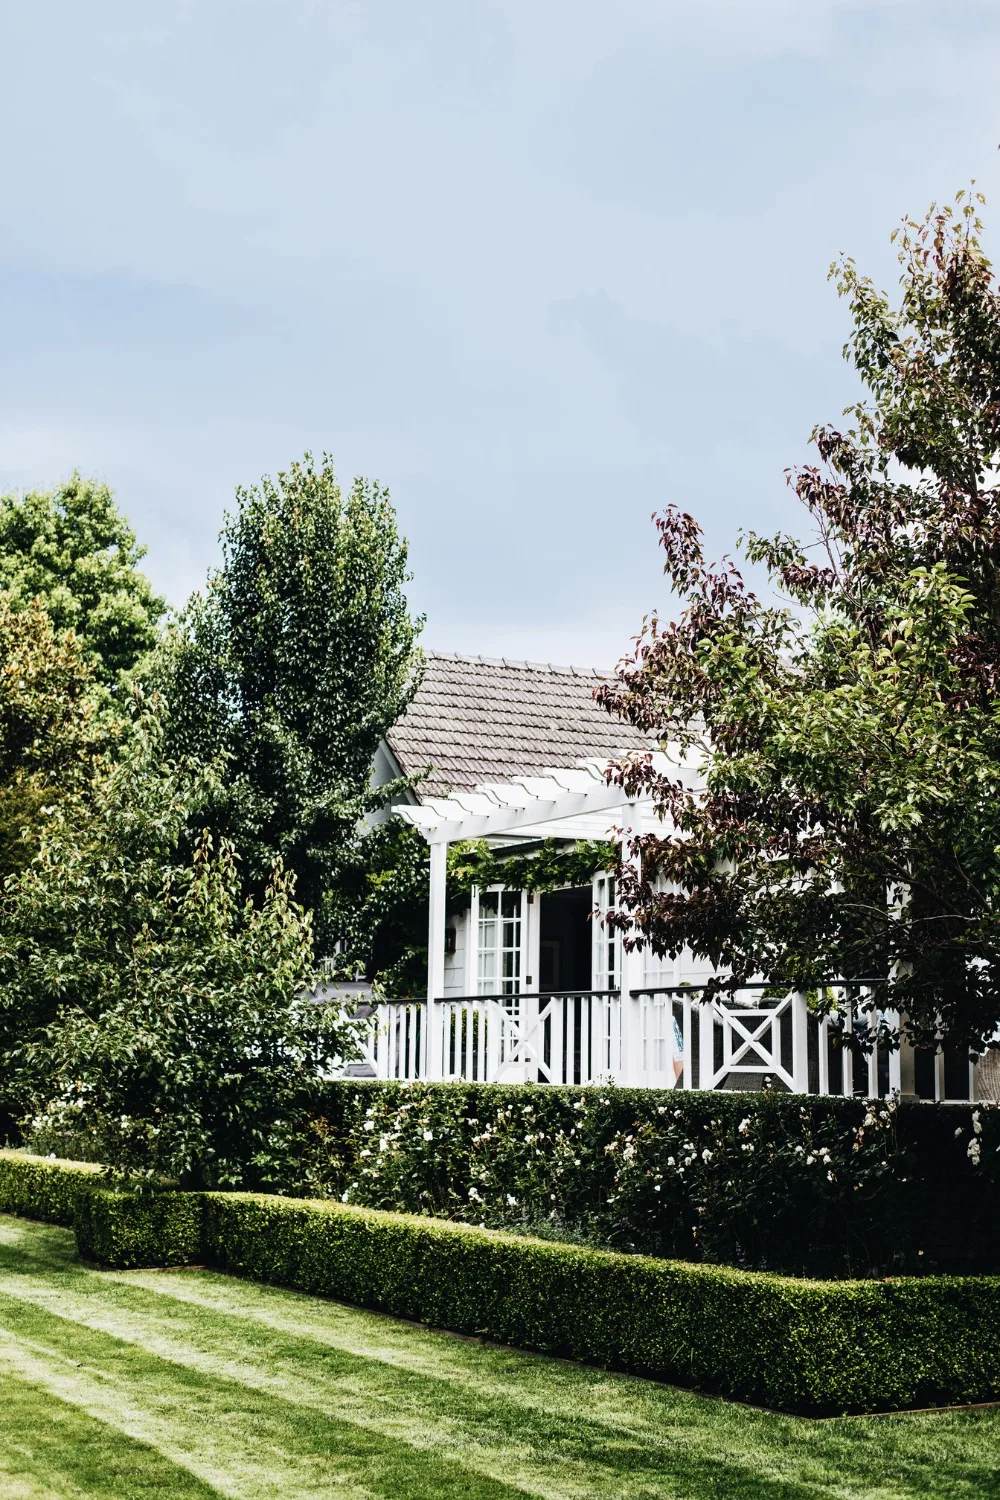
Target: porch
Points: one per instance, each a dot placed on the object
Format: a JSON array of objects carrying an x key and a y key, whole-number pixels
[{"x": 493, "y": 1013}]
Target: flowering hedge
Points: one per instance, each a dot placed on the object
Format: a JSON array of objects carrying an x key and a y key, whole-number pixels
[{"x": 819, "y": 1186}]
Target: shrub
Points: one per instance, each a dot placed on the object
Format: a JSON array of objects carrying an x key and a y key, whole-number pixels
[
  {"x": 810, "y": 1347},
  {"x": 42, "y": 1188},
  {"x": 126, "y": 1230},
  {"x": 804, "y": 1346},
  {"x": 808, "y": 1185}
]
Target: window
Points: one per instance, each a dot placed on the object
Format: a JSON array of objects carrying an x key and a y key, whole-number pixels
[
  {"x": 499, "y": 943},
  {"x": 605, "y": 949}
]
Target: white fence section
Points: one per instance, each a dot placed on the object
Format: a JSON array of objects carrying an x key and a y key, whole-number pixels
[{"x": 666, "y": 1038}]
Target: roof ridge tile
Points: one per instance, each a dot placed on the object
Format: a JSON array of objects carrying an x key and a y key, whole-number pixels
[{"x": 517, "y": 663}]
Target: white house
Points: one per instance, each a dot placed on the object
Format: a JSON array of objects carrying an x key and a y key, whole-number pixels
[
  {"x": 532, "y": 986},
  {"x": 504, "y": 724}
]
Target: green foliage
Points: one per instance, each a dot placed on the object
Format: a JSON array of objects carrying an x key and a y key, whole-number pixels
[
  {"x": 126, "y": 1230},
  {"x": 293, "y": 665},
  {"x": 50, "y": 731},
  {"x": 552, "y": 865},
  {"x": 76, "y": 924},
  {"x": 44, "y": 1188},
  {"x": 72, "y": 548},
  {"x": 812, "y": 1185},
  {"x": 151, "y": 1016},
  {"x": 849, "y": 821},
  {"x": 796, "y": 1346},
  {"x": 203, "y": 1044}
]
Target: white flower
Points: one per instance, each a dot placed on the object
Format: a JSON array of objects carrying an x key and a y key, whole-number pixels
[
  {"x": 474, "y": 1195},
  {"x": 977, "y": 1123},
  {"x": 428, "y": 1135},
  {"x": 671, "y": 1161},
  {"x": 369, "y": 1125},
  {"x": 706, "y": 1155},
  {"x": 973, "y": 1152},
  {"x": 511, "y": 1201},
  {"x": 656, "y": 1187},
  {"x": 744, "y": 1126}
]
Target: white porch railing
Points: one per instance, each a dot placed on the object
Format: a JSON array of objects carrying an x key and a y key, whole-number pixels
[{"x": 665, "y": 1037}]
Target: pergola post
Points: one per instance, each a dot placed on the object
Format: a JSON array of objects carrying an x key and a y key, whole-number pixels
[{"x": 435, "y": 958}]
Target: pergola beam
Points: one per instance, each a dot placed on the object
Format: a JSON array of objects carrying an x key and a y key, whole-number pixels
[{"x": 530, "y": 813}]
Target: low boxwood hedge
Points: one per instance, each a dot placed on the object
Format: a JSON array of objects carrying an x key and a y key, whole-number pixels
[
  {"x": 123, "y": 1231},
  {"x": 811, "y": 1347},
  {"x": 38, "y": 1187},
  {"x": 112, "y": 1229}
]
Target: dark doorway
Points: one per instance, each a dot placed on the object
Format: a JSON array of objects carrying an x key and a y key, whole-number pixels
[{"x": 565, "y": 940}]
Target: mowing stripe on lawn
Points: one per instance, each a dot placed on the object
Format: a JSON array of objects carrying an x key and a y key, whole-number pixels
[
  {"x": 264, "y": 1392},
  {"x": 50, "y": 1448},
  {"x": 558, "y": 1458},
  {"x": 247, "y": 1444}
]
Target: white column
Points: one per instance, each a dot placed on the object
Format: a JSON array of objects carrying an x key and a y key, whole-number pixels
[
  {"x": 435, "y": 959},
  {"x": 631, "y": 968}
]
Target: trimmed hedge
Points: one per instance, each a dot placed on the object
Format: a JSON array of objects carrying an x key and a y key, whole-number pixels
[
  {"x": 119, "y": 1230},
  {"x": 765, "y": 1180},
  {"x": 804, "y": 1346},
  {"x": 808, "y": 1347},
  {"x": 123, "y": 1231},
  {"x": 36, "y": 1187}
]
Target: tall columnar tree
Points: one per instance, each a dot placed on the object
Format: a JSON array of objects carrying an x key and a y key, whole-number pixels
[
  {"x": 849, "y": 822},
  {"x": 72, "y": 548},
  {"x": 295, "y": 661}
]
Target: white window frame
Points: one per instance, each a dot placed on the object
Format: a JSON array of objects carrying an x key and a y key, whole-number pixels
[
  {"x": 605, "y": 971},
  {"x": 495, "y": 982}
]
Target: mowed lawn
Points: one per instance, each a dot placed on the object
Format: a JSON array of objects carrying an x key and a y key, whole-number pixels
[{"x": 193, "y": 1384}]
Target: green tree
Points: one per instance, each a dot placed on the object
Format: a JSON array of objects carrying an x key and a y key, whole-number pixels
[
  {"x": 72, "y": 548},
  {"x": 293, "y": 664},
  {"x": 151, "y": 1016},
  {"x": 849, "y": 817},
  {"x": 51, "y": 735}
]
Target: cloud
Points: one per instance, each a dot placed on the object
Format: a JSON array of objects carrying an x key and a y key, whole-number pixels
[{"x": 540, "y": 265}]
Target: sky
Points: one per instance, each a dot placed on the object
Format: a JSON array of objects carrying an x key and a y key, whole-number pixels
[{"x": 539, "y": 266}]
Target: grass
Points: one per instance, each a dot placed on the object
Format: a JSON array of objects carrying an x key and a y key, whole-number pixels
[{"x": 193, "y": 1384}]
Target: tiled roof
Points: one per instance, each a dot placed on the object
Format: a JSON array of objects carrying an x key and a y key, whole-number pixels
[{"x": 474, "y": 720}]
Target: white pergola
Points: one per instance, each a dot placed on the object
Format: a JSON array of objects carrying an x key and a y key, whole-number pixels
[{"x": 577, "y": 803}]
